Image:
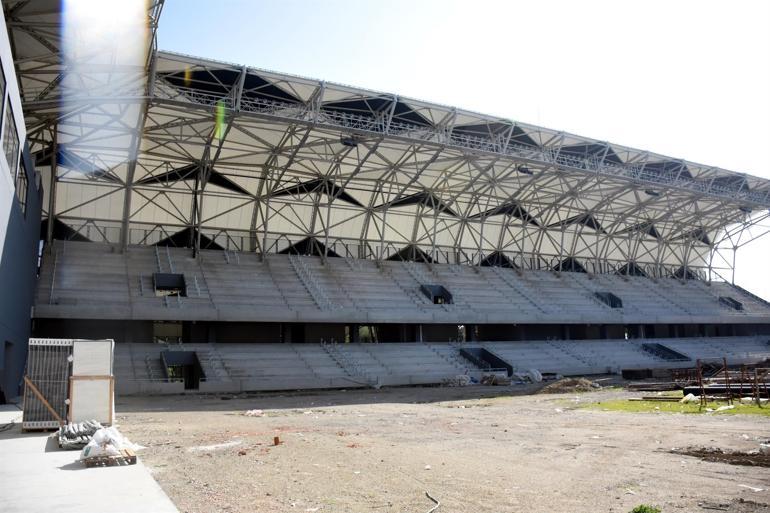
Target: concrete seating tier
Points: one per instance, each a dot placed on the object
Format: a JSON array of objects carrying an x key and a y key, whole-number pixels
[
  {"x": 233, "y": 286},
  {"x": 243, "y": 367}
]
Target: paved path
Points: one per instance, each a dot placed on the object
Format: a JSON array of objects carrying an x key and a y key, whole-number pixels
[{"x": 37, "y": 476}]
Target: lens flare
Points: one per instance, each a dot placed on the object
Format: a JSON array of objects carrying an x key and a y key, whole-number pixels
[
  {"x": 219, "y": 127},
  {"x": 105, "y": 51}
]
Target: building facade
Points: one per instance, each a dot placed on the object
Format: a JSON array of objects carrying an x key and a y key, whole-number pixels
[{"x": 20, "y": 207}]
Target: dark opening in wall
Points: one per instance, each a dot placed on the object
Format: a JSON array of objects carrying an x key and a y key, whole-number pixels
[
  {"x": 731, "y": 303},
  {"x": 167, "y": 332},
  {"x": 183, "y": 366},
  {"x": 169, "y": 284},
  {"x": 437, "y": 294},
  {"x": 609, "y": 299}
]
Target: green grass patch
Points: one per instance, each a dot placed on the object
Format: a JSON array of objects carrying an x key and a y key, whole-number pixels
[
  {"x": 645, "y": 508},
  {"x": 667, "y": 407}
]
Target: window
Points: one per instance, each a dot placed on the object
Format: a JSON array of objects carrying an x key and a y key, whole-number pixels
[
  {"x": 10, "y": 139},
  {"x": 2, "y": 84},
  {"x": 21, "y": 188}
]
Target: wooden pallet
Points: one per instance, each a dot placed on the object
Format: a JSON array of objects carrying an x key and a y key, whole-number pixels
[
  {"x": 39, "y": 429},
  {"x": 126, "y": 457}
]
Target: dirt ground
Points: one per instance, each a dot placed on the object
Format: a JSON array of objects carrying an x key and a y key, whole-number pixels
[{"x": 475, "y": 449}]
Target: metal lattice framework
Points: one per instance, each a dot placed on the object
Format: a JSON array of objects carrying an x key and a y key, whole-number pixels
[{"x": 221, "y": 155}]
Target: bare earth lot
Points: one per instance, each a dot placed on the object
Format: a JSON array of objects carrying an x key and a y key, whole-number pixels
[{"x": 474, "y": 449}]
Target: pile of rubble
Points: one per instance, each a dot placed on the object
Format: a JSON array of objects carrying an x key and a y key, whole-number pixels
[
  {"x": 570, "y": 385},
  {"x": 756, "y": 458}
]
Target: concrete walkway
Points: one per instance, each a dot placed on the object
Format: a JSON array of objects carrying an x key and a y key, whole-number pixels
[{"x": 37, "y": 476}]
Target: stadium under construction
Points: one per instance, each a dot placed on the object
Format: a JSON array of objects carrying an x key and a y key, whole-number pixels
[{"x": 237, "y": 229}]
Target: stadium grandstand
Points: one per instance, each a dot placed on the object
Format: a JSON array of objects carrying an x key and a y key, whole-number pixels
[{"x": 263, "y": 231}]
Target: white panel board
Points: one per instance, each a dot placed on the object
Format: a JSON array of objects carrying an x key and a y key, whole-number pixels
[
  {"x": 92, "y": 357},
  {"x": 91, "y": 399}
]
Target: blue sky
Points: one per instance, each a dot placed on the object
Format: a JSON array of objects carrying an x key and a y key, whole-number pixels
[{"x": 688, "y": 79}]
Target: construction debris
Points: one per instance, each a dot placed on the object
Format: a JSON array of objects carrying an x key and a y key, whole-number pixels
[
  {"x": 666, "y": 386},
  {"x": 569, "y": 385},
  {"x": 534, "y": 376},
  {"x": 67, "y": 380},
  {"x": 124, "y": 457},
  {"x": 714, "y": 379},
  {"x": 460, "y": 380},
  {"x": 107, "y": 448},
  {"x": 740, "y": 505},
  {"x": 715, "y": 454},
  {"x": 752, "y": 400},
  {"x": 657, "y": 399},
  {"x": 76, "y": 436},
  {"x": 495, "y": 379}
]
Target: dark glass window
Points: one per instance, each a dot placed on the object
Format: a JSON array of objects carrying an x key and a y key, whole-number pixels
[
  {"x": 2, "y": 84},
  {"x": 22, "y": 185},
  {"x": 10, "y": 139}
]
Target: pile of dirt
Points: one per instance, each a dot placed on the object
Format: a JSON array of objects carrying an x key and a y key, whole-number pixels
[
  {"x": 569, "y": 385},
  {"x": 717, "y": 455}
]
